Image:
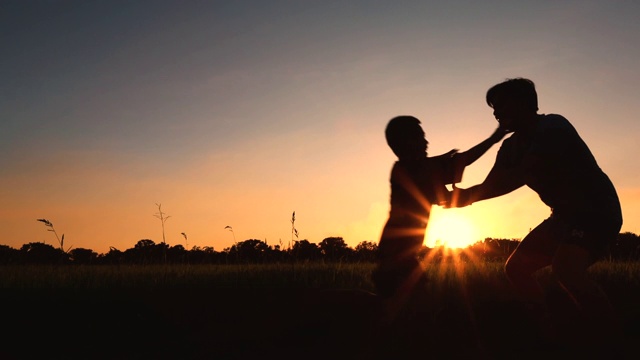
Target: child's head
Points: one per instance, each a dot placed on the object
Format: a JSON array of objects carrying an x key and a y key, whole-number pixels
[{"x": 406, "y": 137}]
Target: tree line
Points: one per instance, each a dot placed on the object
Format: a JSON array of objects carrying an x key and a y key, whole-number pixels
[{"x": 626, "y": 247}]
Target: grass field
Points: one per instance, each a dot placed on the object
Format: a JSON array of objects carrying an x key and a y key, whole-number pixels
[{"x": 283, "y": 311}]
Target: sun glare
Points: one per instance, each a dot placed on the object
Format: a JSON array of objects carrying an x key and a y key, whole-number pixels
[{"x": 449, "y": 228}]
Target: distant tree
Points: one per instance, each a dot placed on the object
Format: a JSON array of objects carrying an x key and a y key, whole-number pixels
[
  {"x": 9, "y": 255},
  {"x": 112, "y": 257},
  {"x": 178, "y": 247},
  {"x": 250, "y": 251},
  {"x": 177, "y": 254},
  {"x": 626, "y": 247},
  {"x": 41, "y": 253},
  {"x": 146, "y": 252},
  {"x": 204, "y": 255},
  {"x": 83, "y": 256},
  {"x": 277, "y": 254},
  {"x": 144, "y": 244},
  {"x": 366, "y": 251},
  {"x": 334, "y": 248},
  {"x": 305, "y": 250}
]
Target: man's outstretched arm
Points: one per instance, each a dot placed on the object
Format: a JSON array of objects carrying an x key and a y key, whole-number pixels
[{"x": 498, "y": 182}]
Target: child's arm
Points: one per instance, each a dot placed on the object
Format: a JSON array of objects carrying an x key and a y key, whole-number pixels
[{"x": 473, "y": 154}]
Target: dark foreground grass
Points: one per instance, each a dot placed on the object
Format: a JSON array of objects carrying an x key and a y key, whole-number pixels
[{"x": 284, "y": 311}]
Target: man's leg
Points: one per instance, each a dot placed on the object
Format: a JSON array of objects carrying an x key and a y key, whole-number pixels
[
  {"x": 534, "y": 252},
  {"x": 569, "y": 266},
  {"x": 591, "y": 319}
]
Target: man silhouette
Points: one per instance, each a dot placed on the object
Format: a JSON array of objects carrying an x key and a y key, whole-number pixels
[{"x": 546, "y": 153}]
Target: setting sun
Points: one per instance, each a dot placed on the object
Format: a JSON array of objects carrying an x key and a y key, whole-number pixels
[{"x": 450, "y": 228}]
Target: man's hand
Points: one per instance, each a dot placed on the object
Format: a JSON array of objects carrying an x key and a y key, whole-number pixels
[{"x": 458, "y": 198}]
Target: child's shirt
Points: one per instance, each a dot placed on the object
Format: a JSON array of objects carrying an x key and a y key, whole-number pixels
[{"x": 417, "y": 185}]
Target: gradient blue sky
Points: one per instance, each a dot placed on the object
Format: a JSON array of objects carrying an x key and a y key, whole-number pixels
[{"x": 240, "y": 112}]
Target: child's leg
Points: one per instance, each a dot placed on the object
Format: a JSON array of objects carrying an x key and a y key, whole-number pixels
[
  {"x": 397, "y": 258},
  {"x": 389, "y": 277}
]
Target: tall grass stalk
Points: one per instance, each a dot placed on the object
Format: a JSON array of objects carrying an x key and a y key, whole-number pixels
[
  {"x": 163, "y": 217},
  {"x": 294, "y": 231},
  {"x": 49, "y": 224},
  {"x": 186, "y": 244},
  {"x": 232, "y": 233}
]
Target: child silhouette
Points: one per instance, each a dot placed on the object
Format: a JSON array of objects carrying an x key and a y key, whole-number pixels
[{"x": 417, "y": 183}]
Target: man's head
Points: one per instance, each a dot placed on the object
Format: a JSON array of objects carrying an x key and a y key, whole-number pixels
[
  {"x": 406, "y": 137},
  {"x": 513, "y": 102}
]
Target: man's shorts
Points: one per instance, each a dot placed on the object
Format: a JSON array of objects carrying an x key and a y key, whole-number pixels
[{"x": 593, "y": 233}]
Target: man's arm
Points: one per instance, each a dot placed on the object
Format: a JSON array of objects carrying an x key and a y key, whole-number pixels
[{"x": 499, "y": 181}]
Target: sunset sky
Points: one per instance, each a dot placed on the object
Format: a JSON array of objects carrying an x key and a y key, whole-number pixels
[{"x": 237, "y": 113}]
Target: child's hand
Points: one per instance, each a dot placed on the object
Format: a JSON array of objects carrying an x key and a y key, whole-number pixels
[
  {"x": 499, "y": 134},
  {"x": 451, "y": 152}
]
